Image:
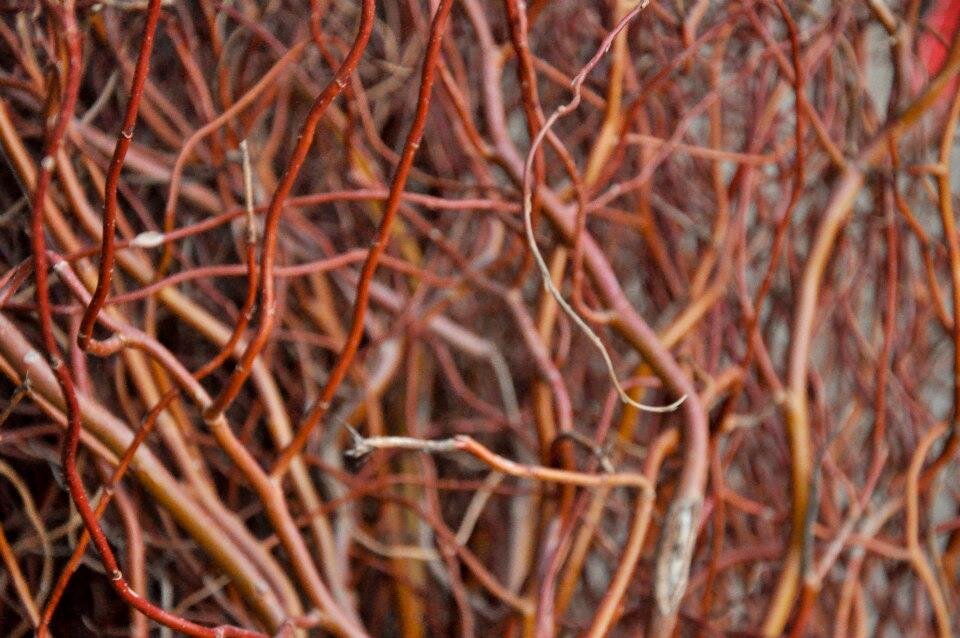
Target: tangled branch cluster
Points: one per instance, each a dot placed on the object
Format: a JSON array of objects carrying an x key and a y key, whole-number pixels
[{"x": 345, "y": 317}]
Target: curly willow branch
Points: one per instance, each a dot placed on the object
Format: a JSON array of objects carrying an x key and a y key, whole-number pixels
[{"x": 528, "y": 217}]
